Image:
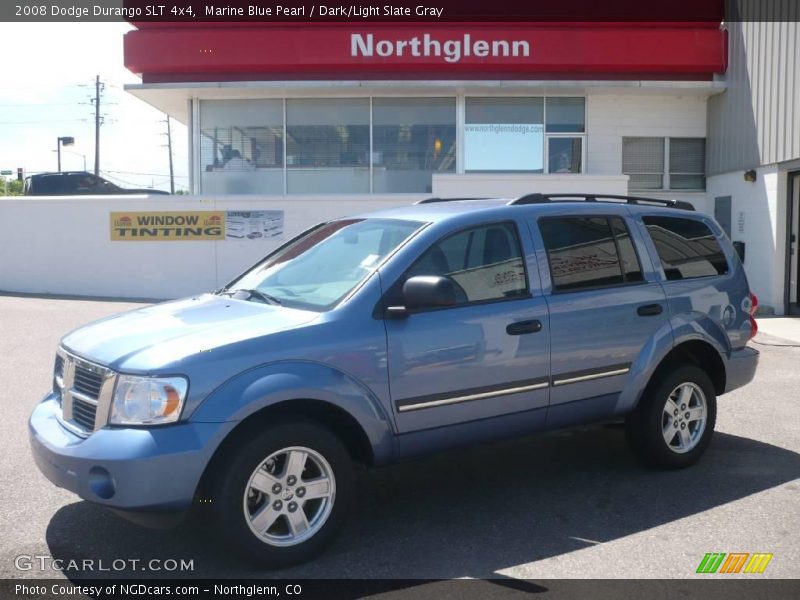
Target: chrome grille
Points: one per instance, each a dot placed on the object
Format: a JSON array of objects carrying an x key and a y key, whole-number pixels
[
  {"x": 87, "y": 382},
  {"x": 59, "y": 368},
  {"x": 85, "y": 390},
  {"x": 84, "y": 414},
  {"x": 58, "y": 374}
]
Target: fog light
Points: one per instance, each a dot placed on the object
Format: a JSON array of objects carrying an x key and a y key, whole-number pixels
[{"x": 101, "y": 483}]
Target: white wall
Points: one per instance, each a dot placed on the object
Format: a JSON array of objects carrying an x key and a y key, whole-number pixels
[
  {"x": 760, "y": 206},
  {"x": 610, "y": 117},
  {"x": 63, "y": 246}
]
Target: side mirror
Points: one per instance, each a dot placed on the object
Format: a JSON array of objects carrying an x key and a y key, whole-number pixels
[{"x": 425, "y": 291}]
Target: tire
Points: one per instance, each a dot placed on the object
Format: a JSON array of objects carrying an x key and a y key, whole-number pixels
[
  {"x": 260, "y": 512},
  {"x": 670, "y": 440}
]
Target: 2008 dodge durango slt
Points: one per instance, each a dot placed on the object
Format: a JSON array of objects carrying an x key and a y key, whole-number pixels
[{"x": 395, "y": 334}]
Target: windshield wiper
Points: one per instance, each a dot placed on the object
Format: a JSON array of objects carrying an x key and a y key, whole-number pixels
[{"x": 265, "y": 298}]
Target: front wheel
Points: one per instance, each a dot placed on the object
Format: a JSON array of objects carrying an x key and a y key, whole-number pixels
[
  {"x": 286, "y": 494},
  {"x": 674, "y": 422}
]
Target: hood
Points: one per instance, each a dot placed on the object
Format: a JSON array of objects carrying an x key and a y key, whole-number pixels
[{"x": 163, "y": 335}]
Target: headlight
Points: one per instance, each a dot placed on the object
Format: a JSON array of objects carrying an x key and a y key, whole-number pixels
[{"x": 147, "y": 400}]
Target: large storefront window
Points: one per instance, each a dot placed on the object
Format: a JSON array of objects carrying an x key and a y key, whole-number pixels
[
  {"x": 412, "y": 138},
  {"x": 387, "y": 145},
  {"x": 241, "y": 146},
  {"x": 327, "y": 145},
  {"x": 531, "y": 135}
]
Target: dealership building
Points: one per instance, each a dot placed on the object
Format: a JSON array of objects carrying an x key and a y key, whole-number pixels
[{"x": 325, "y": 119}]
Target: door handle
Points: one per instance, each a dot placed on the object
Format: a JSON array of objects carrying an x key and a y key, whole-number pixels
[
  {"x": 523, "y": 327},
  {"x": 649, "y": 310}
]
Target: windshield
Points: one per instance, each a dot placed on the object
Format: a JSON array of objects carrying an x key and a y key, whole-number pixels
[{"x": 324, "y": 265}]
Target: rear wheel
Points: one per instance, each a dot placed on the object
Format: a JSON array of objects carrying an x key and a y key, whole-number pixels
[
  {"x": 674, "y": 422},
  {"x": 286, "y": 494}
]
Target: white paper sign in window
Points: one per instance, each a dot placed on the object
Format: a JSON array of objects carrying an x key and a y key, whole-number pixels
[{"x": 504, "y": 147}]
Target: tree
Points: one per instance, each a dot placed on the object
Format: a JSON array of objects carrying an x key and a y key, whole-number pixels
[{"x": 14, "y": 187}]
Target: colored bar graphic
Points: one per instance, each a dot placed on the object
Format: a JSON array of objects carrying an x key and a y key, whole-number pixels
[
  {"x": 713, "y": 562},
  {"x": 734, "y": 563},
  {"x": 758, "y": 562}
]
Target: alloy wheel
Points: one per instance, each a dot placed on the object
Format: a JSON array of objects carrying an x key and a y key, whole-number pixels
[
  {"x": 683, "y": 419},
  {"x": 289, "y": 496}
]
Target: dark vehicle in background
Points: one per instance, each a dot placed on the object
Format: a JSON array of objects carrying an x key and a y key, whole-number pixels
[{"x": 76, "y": 183}]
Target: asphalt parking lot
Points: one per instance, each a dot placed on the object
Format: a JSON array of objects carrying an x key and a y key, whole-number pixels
[{"x": 566, "y": 505}]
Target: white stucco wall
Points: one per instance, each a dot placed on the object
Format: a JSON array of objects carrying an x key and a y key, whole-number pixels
[
  {"x": 63, "y": 245},
  {"x": 758, "y": 219},
  {"x": 610, "y": 117}
]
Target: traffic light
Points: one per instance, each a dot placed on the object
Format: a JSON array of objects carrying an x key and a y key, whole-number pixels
[{"x": 19, "y": 173}]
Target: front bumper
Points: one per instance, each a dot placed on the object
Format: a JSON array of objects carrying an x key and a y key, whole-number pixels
[
  {"x": 136, "y": 469},
  {"x": 741, "y": 368}
]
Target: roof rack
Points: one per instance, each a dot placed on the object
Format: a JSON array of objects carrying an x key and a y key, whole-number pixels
[
  {"x": 435, "y": 200},
  {"x": 545, "y": 198}
]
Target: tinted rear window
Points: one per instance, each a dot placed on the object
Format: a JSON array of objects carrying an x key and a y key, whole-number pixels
[
  {"x": 687, "y": 248},
  {"x": 47, "y": 185},
  {"x": 584, "y": 252}
]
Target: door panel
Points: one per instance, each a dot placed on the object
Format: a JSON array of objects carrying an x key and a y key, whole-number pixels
[
  {"x": 487, "y": 356},
  {"x": 604, "y": 306},
  {"x": 460, "y": 364},
  {"x": 596, "y": 335}
]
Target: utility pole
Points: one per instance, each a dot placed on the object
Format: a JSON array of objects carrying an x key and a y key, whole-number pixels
[
  {"x": 98, "y": 88},
  {"x": 169, "y": 148}
]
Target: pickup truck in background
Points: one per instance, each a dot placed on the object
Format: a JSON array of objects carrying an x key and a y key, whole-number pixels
[{"x": 76, "y": 183}]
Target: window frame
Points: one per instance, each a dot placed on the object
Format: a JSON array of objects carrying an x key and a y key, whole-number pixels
[
  {"x": 607, "y": 217},
  {"x": 461, "y": 123},
  {"x": 197, "y": 171},
  {"x": 666, "y": 174},
  {"x": 660, "y": 262},
  {"x": 668, "y": 164},
  {"x": 527, "y": 295},
  {"x": 551, "y": 136}
]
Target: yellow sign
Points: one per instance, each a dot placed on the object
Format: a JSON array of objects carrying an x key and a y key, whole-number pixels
[{"x": 185, "y": 226}]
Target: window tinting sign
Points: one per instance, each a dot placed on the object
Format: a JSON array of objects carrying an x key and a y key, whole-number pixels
[
  {"x": 196, "y": 225},
  {"x": 191, "y": 225}
]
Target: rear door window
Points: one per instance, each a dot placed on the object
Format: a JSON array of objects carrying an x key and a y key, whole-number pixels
[
  {"x": 589, "y": 252},
  {"x": 687, "y": 248}
]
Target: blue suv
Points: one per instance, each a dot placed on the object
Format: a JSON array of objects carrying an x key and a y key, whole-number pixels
[{"x": 392, "y": 335}]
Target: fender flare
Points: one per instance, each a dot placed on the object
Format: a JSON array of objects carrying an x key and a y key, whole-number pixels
[
  {"x": 284, "y": 381},
  {"x": 676, "y": 331}
]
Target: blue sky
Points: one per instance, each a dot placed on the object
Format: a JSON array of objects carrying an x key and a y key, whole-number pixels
[{"x": 49, "y": 71}]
